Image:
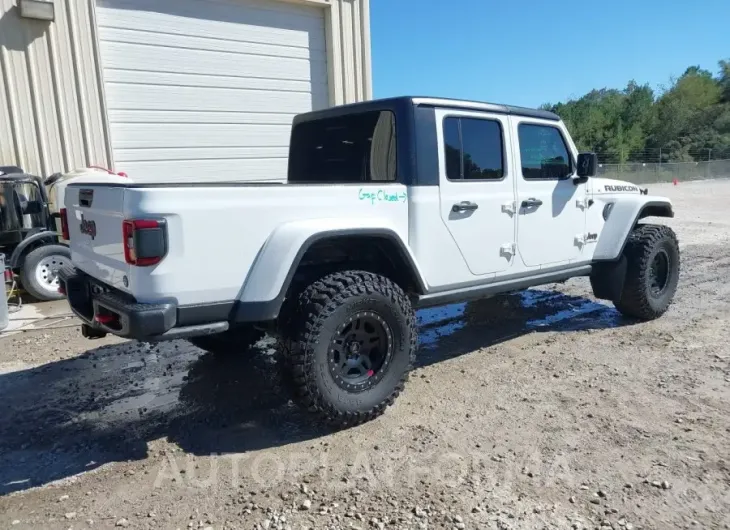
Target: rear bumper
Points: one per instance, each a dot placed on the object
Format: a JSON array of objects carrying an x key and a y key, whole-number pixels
[{"x": 109, "y": 311}]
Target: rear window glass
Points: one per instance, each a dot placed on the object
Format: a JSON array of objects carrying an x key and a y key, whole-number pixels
[{"x": 354, "y": 148}]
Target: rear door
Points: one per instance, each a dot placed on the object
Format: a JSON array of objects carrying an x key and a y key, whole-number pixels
[
  {"x": 95, "y": 215},
  {"x": 551, "y": 220},
  {"x": 476, "y": 187}
]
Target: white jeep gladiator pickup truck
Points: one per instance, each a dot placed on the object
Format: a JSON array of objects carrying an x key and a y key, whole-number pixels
[{"x": 390, "y": 206}]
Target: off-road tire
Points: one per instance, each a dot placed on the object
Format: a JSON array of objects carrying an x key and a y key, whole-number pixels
[
  {"x": 231, "y": 342},
  {"x": 311, "y": 323},
  {"x": 28, "y": 271},
  {"x": 637, "y": 299}
]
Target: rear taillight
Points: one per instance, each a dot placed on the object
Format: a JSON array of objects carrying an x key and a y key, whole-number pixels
[
  {"x": 64, "y": 225},
  {"x": 8, "y": 276},
  {"x": 145, "y": 241}
]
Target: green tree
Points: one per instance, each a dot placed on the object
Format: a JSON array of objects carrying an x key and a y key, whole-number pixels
[
  {"x": 687, "y": 120},
  {"x": 724, "y": 80}
]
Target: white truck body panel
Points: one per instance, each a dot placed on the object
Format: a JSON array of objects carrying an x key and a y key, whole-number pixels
[
  {"x": 436, "y": 251},
  {"x": 216, "y": 233},
  {"x": 103, "y": 255}
]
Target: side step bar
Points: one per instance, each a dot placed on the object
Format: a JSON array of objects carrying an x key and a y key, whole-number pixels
[{"x": 500, "y": 286}]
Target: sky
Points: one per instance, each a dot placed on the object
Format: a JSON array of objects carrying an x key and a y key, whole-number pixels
[{"x": 530, "y": 52}]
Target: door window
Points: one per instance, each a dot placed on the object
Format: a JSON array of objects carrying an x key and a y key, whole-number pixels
[
  {"x": 474, "y": 149},
  {"x": 543, "y": 152}
]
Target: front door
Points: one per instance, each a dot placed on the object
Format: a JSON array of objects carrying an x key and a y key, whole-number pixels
[
  {"x": 477, "y": 188},
  {"x": 551, "y": 219}
]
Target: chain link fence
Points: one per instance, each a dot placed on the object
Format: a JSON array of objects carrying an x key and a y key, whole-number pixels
[{"x": 647, "y": 172}]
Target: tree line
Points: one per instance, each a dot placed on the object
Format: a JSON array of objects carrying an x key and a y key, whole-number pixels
[{"x": 687, "y": 121}]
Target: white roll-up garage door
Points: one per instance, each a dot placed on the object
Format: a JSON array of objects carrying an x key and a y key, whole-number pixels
[{"x": 205, "y": 90}]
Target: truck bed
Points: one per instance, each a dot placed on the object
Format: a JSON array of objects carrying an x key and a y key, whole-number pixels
[{"x": 215, "y": 231}]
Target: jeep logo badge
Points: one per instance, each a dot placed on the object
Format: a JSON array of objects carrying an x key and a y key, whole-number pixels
[{"x": 88, "y": 227}]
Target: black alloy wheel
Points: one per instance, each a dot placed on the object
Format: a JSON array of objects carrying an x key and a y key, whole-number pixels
[
  {"x": 659, "y": 273},
  {"x": 360, "y": 351}
]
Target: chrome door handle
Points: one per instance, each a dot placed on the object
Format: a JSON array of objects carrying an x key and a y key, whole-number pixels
[
  {"x": 531, "y": 203},
  {"x": 464, "y": 206}
]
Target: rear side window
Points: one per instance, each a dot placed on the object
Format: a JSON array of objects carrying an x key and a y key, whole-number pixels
[
  {"x": 473, "y": 149},
  {"x": 543, "y": 152},
  {"x": 348, "y": 149}
]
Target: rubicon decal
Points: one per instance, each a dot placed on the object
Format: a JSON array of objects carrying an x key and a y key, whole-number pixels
[
  {"x": 88, "y": 227},
  {"x": 611, "y": 187}
]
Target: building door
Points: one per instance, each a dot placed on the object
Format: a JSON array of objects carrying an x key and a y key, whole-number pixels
[{"x": 207, "y": 90}]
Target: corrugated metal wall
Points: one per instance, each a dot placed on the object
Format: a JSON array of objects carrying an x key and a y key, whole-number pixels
[
  {"x": 50, "y": 101},
  {"x": 52, "y": 116},
  {"x": 348, "y": 36}
]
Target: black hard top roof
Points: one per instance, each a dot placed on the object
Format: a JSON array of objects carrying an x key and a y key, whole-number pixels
[{"x": 389, "y": 103}]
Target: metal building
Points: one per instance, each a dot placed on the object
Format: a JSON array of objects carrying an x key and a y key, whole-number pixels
[{"x": 173, "y": 89}]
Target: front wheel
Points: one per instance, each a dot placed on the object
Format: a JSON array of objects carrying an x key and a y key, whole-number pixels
[
  {"x": 39, "y": 271},
  {"x": 652, "y": 274},
  {"x": 350, "y": 346}
]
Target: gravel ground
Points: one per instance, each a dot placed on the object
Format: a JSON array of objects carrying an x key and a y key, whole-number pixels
[{"x": 539, "y": 410}]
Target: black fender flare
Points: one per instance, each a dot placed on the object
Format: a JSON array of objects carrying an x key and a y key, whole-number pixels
[
  {"x": 382, "y": 233},
  {"x": 656, "y": 209},
  {"x": 607, "y": 277},
  {"x": 616, "y": 231},
  {"x": 269, "y": 310},
  {"x": 28, "y": 243}
]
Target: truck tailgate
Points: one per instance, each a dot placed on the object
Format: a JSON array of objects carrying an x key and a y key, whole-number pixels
[{"x": 95, "y": 215}]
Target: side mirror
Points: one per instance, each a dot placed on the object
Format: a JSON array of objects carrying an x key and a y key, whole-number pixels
[
  {"x": 587, "y": 164},
  {"x": 32, "y": 208}
]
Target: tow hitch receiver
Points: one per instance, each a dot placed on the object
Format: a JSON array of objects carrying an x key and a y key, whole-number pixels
[{"x": 91, "y": 333}]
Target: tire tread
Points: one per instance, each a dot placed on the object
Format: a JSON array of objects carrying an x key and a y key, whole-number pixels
[
  {"x": 31, "y": 260},
  {"x": 304, "y": 323},
  {"x": 634, "y": 301}
]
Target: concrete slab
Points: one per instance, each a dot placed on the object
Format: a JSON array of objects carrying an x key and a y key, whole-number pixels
[{"x": 36, "y": 315}]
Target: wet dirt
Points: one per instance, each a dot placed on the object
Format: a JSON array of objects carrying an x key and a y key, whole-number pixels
[{"x": 540, "y": 409}]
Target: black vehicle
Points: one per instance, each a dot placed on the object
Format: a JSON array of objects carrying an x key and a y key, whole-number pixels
[{"x": 28, "y": 235}]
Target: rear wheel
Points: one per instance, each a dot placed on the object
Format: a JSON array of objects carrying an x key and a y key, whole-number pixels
[
  {"x": 350, "y": 345},
  {"x": 39, "y": 271},
  {"x": 231, "y": 342},
  {"x": 652, "y": 274}
]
